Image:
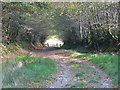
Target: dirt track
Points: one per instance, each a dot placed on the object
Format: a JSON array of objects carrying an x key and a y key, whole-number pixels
[{"x": 65, "y": 76}]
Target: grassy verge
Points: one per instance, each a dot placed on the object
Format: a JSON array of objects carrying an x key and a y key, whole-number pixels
[
  {"x": 27, "y": 71},
  {"x": 108, "y": 62}
]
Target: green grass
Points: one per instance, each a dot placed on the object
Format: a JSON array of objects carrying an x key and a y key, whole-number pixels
[
  {"x": 108, "y": 62},
  {"x": 85, "y": 75},
  {"x": 34, "y": 72},
  {"x": 79, "y": 74},
  {"x": 78, "y": 85}
]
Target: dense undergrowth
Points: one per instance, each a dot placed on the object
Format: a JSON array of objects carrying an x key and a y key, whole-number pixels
[
  {"x": 106, "y": 61},
  {"x": 27, "y": 71},
  {"x": 13, "y": 47}
]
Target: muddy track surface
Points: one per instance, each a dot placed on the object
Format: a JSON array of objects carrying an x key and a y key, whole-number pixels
[{"x": 74, "y": 72}]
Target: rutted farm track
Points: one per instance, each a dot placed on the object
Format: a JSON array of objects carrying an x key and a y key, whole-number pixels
[{"x": 74, "y": 72}]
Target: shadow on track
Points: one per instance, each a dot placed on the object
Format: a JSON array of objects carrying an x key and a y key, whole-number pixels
[{"x": 45, "y": 49}]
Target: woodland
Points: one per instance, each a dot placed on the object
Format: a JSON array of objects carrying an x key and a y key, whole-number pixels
[{"x": 90, "y": 29}]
